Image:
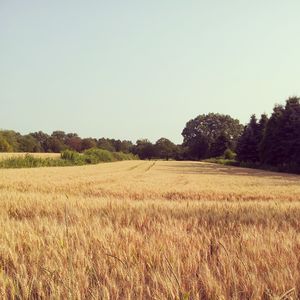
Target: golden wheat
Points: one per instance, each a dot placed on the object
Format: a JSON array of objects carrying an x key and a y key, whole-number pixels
[
  {"x": 149, "y": 230},
  {"x": 6, "y": 155}
]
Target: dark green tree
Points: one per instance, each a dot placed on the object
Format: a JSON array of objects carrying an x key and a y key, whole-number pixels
[
  {"x": 291, "y": 132},
  {"x": 126, "y": 146},
  {"x": 144, "y": 149},
  {"x": 248, "y": 144},
  {"x": 165, "y": 149},
  {"x": 29, "y": 144},
  {"x": 220, "y": 145},
  {"x": 281, "y": 143},
  {"x": 271, "y": 146},
  {"x": 202, "y": 132},
  {"x": 42, "y": 138}
]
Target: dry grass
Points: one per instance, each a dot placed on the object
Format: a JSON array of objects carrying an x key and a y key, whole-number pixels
[
  {"x": 145, "y": 230},
  {"x": 6, "y": 155}
]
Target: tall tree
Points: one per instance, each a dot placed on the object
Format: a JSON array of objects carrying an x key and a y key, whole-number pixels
[
  {"x": 144, "y": 149},
  {"x": 271, "y": 147},
  {"x": 248, "y": 144},
  {"x": 88, "y": 143},
  {"x": 281, "y": 142},
  {"x": 203, "y": 131},
  {"x": 42, "y": 138},
  {"x": 165, "y": 149},
  {"x": 291, "y": 131}
]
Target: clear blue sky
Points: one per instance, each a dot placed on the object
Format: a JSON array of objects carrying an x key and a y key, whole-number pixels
[{"x": 137, "y": 69}]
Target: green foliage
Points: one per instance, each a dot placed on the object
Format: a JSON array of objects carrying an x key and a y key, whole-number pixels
[
  {"x": 280, "y": 145},
  {"x": 99, "y": 155},
  {"x": 249, "y": 143},
  {"x": 68, "y": 158},
  {"x": 229, "y": 154},
  {"x": 4, "y": 145},
  {"x": 88, "y": 143},
  {"x": 95, "y": 156},
  {"x": 12, "y": 138},
  {"x": 207, "y": 134},
  {"x": 222, "y": 161},
  {"x": 274, "y": 143},
  {"x": 124, "y": 156},
  {"x": 220, "y": 145},
  {"x": 106, "y": 144},
  {"x": 32, "y": 162},
  {"x": 144, "y": 149},
  {"x": 165, "y": 149},
  {"x": 72, "y": 156},
  {"x": 28, "y": 143}
]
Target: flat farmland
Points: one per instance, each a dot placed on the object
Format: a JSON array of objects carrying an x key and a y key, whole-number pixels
[{"x": 149, "y": 230}]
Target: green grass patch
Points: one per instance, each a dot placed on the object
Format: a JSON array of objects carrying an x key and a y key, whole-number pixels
[
  {"x": 223, "y": 161},
  {"x": 68, "y": 158}
]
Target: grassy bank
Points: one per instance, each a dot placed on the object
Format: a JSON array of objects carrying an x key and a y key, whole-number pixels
[{"x": 67, "y": 158}]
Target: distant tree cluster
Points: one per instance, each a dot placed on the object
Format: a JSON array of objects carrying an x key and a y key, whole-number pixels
[
  {"x": 274, "y": 141},
  {"x": 58, "y": 141},
  {"x": 11, "y": 141},
  {"x": 162, "y": 149}
]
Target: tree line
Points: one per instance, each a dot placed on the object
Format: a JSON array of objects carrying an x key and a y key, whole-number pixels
[
  {"x": 268, "y": 141},
  {"x": 273, "y": 141},
  {"x": 59, "y": 141}
]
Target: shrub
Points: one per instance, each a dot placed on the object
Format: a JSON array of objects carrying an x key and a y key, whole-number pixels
[
  {"x": 229, "y": 154},
  {"x": 67, "y": 158},
  {"x": 29, "y": 161},
  {"x": 99, "y": 155},
  {"x": 124, "y": 156},
  {"x": 72, "y": 156}
]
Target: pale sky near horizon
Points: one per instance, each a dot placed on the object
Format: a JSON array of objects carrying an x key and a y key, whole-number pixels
[{"x": 142, "y": 69}]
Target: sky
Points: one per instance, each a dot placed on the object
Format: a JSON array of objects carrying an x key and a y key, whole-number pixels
[{"x": 142, "y": 69}]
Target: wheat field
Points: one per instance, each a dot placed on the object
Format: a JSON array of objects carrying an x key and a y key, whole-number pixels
[
  {"x": 149, "y": 230},
  {"x": 6, "y": 155}
]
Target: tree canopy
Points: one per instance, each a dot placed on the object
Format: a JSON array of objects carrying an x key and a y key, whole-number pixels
[{"x": 209, "y": 134}]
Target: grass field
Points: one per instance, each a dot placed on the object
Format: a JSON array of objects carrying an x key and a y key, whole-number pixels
[{"x": 149, "y": 230}]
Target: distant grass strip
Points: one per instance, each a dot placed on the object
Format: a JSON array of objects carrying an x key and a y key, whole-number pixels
[
  {"x": 294, "y": 169},
  {"x": 223, "y": 161},
  {"x": 68, "y": 158},
  {"x": 29, "y": 161}
]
